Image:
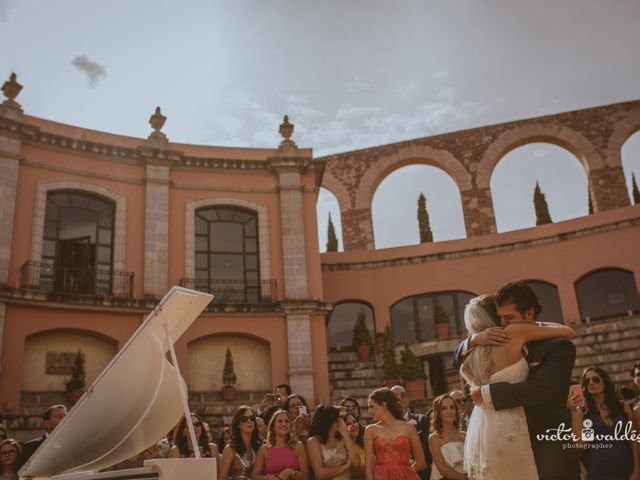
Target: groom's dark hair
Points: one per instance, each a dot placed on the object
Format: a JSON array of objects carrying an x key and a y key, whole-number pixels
[{"x": 521, "y": 294}]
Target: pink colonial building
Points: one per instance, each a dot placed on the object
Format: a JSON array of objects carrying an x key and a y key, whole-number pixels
[{"x": 96, "y": 227}]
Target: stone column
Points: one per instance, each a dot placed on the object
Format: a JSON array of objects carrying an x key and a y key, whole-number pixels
[
  {"x": 156, "y": 230},
  {"x": 289, "y": 166},
  {"x": 10, "y": 147},
  {"x": 357, "y": 229},
  {"x": 9, "y": 168},
  {"x": 477, "y": 207},
  {"x": 608, "y": 188},
  {"x": 159, "y": 159}
]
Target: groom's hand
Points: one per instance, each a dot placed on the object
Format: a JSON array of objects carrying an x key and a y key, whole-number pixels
[
  {"x": 476, "y": 395},
  {"x": 491, "y": 336}
]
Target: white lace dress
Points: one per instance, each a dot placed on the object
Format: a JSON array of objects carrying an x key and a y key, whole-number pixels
[{"x": 497, "y": 444}]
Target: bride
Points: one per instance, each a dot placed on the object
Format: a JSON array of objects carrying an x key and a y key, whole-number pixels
[{"x": 497, "y": 444}]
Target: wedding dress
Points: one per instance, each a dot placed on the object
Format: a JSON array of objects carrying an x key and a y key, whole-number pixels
[{"x": 497, "y": 444}]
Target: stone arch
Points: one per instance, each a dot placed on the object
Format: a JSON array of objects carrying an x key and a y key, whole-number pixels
[
  {"x": 263, "y": 231},
  {"x": 412, "y": 154},
  {"x": 98, "y": 348},
  {"x": 334, "y": 186},
  {"x": 120, "y": 225},
  {"x": 626, "y": 127},
  {"x": 251, "y": 360},
  {"x": 516, "y": 137}
]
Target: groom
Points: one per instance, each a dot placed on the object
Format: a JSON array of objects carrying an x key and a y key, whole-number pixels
[{"x": 544, "y": 394}]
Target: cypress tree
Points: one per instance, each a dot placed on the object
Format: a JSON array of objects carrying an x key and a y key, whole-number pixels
[
  {"x": 228, "y": 374},
  {"x": 634, "y": 190},
  {"x": 590, "y": 203},
  {"x": 423, "y": 220},
  {"x": 332, "y": 240},
  {"x": 540, "y": 204}
]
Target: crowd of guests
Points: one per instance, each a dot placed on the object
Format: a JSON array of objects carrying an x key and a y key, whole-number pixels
[{"x": 283, "y": 440}]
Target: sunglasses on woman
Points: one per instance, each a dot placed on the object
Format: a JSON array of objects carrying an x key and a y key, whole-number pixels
[
  {"x": 8, "y": 453},
  {"x": 247, "y": 419}
]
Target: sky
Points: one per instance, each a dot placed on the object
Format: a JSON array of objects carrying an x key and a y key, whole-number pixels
[{"x": 349, "y": 73}]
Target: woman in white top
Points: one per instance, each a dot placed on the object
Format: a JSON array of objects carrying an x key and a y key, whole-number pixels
[{"x": 447, "y": 441}]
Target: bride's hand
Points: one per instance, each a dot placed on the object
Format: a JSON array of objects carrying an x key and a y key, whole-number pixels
[
  {"x": 476, "y": 395},
  {"x": 491, "y": 336}
]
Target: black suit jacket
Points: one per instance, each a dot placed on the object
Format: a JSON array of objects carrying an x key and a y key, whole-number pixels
[
  {"x": 421, "y": 422},
  {"x": 29, "y": 448},
  {"x": 544, "y": 398}
]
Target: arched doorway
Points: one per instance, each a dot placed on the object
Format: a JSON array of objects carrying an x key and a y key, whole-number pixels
[{"x": 342, "y": 320}]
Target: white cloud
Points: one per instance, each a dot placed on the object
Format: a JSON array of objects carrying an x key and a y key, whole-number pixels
[
  {"x": 406, "y": 90},
  {"x": 94, "y": 71},
  {"x": 358, "y": 84},
  {"x": 5, "y": 6},
  {"x": 447, "y": 94},
  {"x": 441, "y": 74}
]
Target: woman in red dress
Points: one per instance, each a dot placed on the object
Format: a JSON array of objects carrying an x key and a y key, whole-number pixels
[{"x": 392, "y": 445}]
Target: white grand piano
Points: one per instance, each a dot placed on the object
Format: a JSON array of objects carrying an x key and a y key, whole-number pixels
[{"x": 132, "y": 404}]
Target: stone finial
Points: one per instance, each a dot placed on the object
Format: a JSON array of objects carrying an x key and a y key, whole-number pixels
[
  {"x": 287, "y": 146},
  {"x": 286, "y": 128},
  {"x": 157, "y": 122},
  {"x": 11, "y": 88}
]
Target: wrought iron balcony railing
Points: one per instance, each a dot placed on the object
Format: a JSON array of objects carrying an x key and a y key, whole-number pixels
[
  {"x": 235, "y": 292},
  {"x": 53, "y": 278}
]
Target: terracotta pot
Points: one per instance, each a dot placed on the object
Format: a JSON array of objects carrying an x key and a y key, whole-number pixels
[
  {"x": 379, "y": 340},
  {"x": 415, "y": 388},
  {"x": 74, "y": 395},
  {"x": 229, "y": 393},
  {"x": 442, "y": 330},
  {"x": 364, "y": 352}
]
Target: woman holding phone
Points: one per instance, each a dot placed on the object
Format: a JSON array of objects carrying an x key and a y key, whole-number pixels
[
  {"x": 595, "y": 416},
  {"x": 296, "y": 406}
]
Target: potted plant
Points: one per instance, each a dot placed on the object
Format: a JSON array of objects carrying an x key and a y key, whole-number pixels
[
  {"x": 75, "y": 384},
  {"x": 411, "y": 372},
  {"x": 389, "y": 363},
  {"x": 441, "y": 319},
  {"x": 361, "y": 337},
  {"x": 379, "y": 339},
  {"x": 229, "y": 379}
]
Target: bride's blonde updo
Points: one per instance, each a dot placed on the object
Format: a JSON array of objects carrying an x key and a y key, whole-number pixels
[{"x": 479, "y": 314}]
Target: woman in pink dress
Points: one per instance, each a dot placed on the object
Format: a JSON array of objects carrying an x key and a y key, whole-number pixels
[
  {"x": 282, "y": 457},
  {"x": 392, "y": 445}
]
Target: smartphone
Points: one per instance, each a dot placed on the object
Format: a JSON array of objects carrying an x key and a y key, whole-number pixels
[
  {"x": 576, "y": 392},
  {"x": 273, "y": 396},
  {"x": 302, "y": 409}
]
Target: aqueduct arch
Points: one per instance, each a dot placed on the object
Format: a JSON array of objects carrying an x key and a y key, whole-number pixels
[{"x": 593, "y": 135}]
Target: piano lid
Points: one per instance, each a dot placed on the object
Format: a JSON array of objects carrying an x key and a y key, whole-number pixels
[{"x": 133, "y": 403}]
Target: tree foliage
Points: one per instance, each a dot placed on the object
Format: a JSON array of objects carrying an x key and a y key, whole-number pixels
[
  {"x": 78, "y": 377},
  {"x": 228, "y": 374},
  {"x": 389, "y": 363},
  {"x": 440, "y": 315},
  {"x": 540, "y": 204},
  {"x": 423, "y": 221},
  {"x": 361, "y": 334},
  {"x": 634, "y": 190},
  {"x": 332, "y": 240},
  {"x": 410, "y": 367}
]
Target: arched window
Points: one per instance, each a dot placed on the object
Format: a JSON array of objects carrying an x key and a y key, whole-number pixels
[
  {"x": 342, "y": 320},
  {"x": 77, "y": 248},
  {"x": 226, "y": 254},
  {"x": 607, "y": 293},
  {"x": 549, "y": 298},
  {"x": 412, "y": 319}
]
